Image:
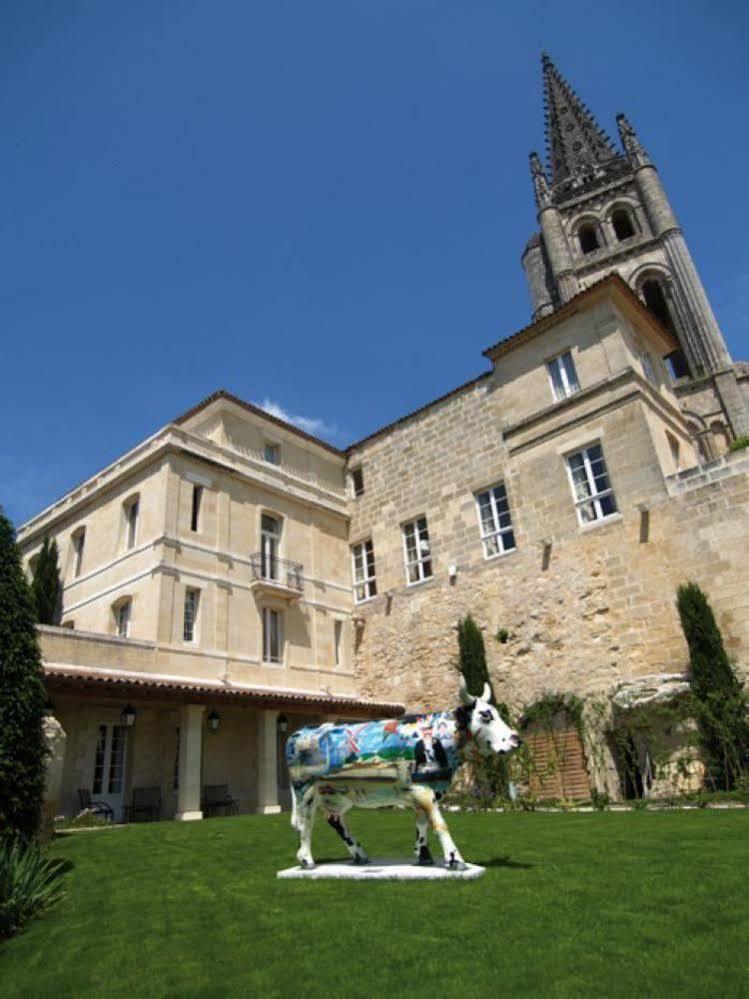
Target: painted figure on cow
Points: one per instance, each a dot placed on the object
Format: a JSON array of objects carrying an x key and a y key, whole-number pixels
[{"x": 406, "y": 762}]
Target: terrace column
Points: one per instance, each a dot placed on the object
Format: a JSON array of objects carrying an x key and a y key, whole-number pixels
[
  {"x": 267, "y": 763},
  {"x": 190, "y": 761}
]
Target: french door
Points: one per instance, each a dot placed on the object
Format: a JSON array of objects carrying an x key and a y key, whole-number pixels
[
  {"x": 109, "y": 767},
  {"x": 270, "y": 534}
]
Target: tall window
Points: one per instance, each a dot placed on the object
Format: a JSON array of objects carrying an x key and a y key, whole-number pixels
[
  {"x": 272, "y": 454},
  {"x": 647, "y": 367},
  {"x": 655, "y": 299},
  {"x": 417, "y": 551},
  {"x": 270, "y": 536},
  {"x": 591, "y": 488},
  {"x": 131, "y": 522},
  {"x": 563, "y": 376},
  {"x": 588, "y": 238},
  {"x": 109, "y": 760},
  {"x": 190, "y": 618},
  {"x": 337, "y": 642},
  {"x": 357, "y": 481},
  {"x": 122, "y": 616},
  {"x": 271, "y": 635},
  {"x": 79, "y": 541},
  {"x": 197, "y": 502},
  {"x": 622, "y": 223},
  {"x": 497, "y": 535},
  {"x": 363, "y": 560}
]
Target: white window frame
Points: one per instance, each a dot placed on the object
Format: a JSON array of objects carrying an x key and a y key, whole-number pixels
[
  {"x": 123, "y": 617},
  {"x": 569, "y": 383},
  {"x": 132, "y": 517},
  {"x": 192, "y": 597},
  {"x": 267, "y": 638},
  {"x": 595, "y": 496},
  {"x": 365, "y": 583},
  {"x": 498, "y": 534},
  {"x": 272, "y": 453},
  {"x": 424, "y": 554}
]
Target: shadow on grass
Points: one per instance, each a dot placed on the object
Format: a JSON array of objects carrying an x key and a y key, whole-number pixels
[{"x": 505, "y": 862}]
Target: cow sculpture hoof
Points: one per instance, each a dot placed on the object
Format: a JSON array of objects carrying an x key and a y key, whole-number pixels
[
  {"x": 457, "y": 865},
  {"x": 307, "y": 865},
  {"x": 360, "y": 861}
]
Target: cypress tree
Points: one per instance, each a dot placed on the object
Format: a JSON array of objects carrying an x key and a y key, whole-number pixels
[
  {"x": 473, "y": 656},
  {"x": 490, "y": 774},
  {"x": 22, "y": 697},
  {"x": 720, "y": 703},
  {"x": 46, "y": 586}
]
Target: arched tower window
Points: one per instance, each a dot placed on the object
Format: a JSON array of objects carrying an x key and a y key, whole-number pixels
[
  {"x": 652, "y": 292},
  {"x": 622, "y": 223},
  {"x": 588, "y": 238}
]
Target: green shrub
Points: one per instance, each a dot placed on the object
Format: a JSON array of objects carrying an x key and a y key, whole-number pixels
[
  {"x": 29, "y": 883},
  {"x": 46, "y": 586},
  {"x": 739, "y": 444},
  {"x": 23, "y": 748},
  {"x": 719, "y": 702}
]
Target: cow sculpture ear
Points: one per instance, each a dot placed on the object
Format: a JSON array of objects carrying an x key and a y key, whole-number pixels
[
  {"x": 486, "y": 693},
  {"x": 465, "y": 697}
]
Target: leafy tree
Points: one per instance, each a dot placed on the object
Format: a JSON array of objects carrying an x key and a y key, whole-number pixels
[
  {"x": 490, "y": 773},
  {"x": 719, "y": 699},
  {"x": 46, "y": 587},
  {"x": 22, "y": 697}
]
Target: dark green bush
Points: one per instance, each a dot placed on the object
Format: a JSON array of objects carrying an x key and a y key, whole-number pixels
[
  {"x": 739, "y": 444},
  {"x": 23, "y": 748},
  {"x": 29, "y": 883},
  {"x": 719, "y": 702},
  {"x": 46, "y": 586}
]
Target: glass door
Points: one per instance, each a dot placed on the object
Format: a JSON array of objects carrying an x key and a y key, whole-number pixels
[
  {"x": 270, "y": 532},
  {"x": 109, "y": 768}
]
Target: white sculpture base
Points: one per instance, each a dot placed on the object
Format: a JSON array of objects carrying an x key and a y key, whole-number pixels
[{"x": 383, "y": 870}]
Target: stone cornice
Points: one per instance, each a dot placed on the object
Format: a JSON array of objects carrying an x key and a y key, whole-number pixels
[{"x": 176, "y": 439}]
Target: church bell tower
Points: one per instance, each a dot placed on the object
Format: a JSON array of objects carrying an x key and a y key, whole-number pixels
[{"x": 600, "y": 210}]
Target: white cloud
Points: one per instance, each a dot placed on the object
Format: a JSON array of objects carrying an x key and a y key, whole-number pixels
[{"x": 310, "y": 425}]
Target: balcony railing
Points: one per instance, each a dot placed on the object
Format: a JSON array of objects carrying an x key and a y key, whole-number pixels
[{"x": 277, "y": 574}]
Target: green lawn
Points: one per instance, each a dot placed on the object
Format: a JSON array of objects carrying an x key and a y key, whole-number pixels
[{"x": 612, "y": 904}]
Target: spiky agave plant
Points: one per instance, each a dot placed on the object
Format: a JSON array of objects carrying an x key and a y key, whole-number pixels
[{"x": 30, "y": 883}]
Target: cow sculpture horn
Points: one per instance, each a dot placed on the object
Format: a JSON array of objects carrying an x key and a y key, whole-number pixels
[
  {"x": 465, "y": 697},
  {"x": 486, "y": 693}
]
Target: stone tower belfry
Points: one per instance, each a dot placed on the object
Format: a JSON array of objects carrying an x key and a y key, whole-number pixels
[{"x": 602, "y": 210}]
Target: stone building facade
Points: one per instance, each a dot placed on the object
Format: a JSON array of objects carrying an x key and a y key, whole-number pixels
[{"x": 232, "y": 577}]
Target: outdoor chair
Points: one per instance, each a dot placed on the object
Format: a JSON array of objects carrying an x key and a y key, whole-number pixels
[
  {"x": 215, "y": 797},
  {"x": 97, "y": 807},
  {"x": 146, "y": 803}
]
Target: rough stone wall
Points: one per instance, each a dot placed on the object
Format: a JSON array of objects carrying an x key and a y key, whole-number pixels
[{"x": 604, "y": 607}]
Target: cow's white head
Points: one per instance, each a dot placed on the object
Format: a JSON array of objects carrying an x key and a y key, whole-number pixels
[{"x": 482, "y": 720}]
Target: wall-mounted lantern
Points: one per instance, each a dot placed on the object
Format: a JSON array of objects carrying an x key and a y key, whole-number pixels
[
  {"x": 127, "y": 716},
  {"x": 213, "y": 721}
]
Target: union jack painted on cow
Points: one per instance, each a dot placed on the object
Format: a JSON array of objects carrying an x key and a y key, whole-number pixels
[{"x": 406, "y": 762}]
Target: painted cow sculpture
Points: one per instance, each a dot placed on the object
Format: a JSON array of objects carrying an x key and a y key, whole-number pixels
[{"x": 407, "y": 762}]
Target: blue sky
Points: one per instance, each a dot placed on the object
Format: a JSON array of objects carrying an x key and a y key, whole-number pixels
[{"x": 320, "y": 204}]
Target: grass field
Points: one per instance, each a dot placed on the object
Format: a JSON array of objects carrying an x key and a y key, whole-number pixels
[{"x": 610, "y": 904}]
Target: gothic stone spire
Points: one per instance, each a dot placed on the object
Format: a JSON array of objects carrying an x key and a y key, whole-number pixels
[{"x": 575, "y": 141}]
